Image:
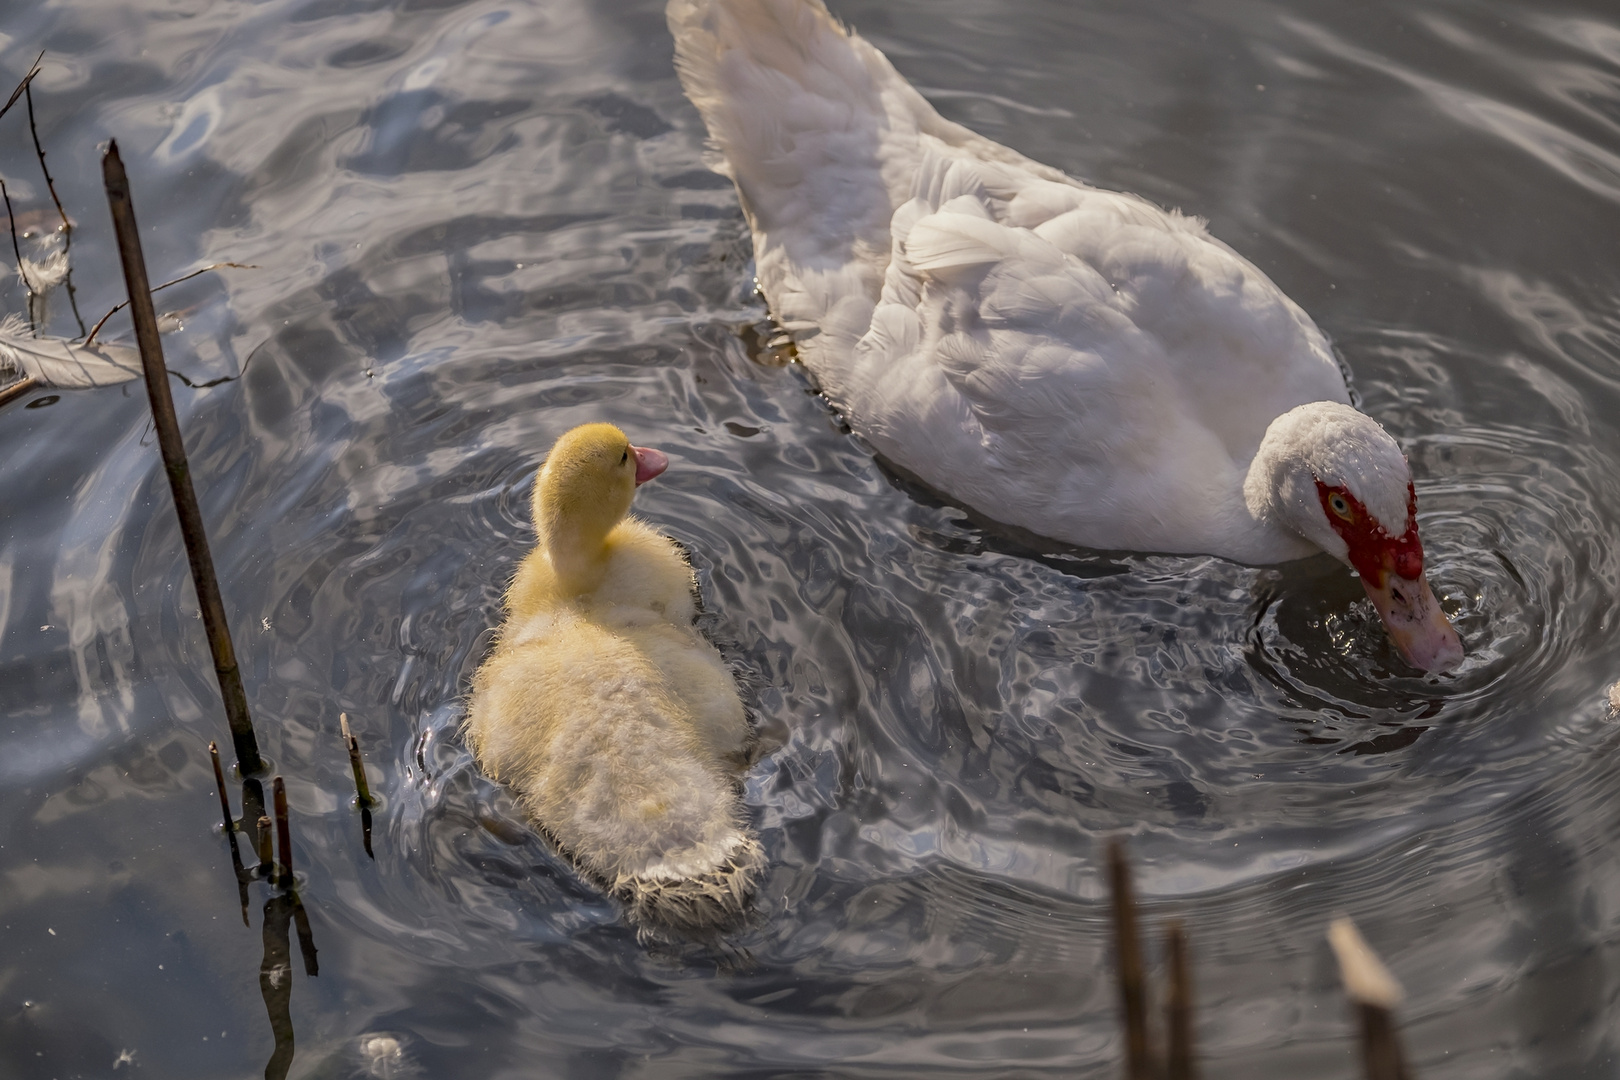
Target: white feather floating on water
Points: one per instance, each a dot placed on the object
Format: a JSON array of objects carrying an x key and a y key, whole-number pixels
[{"x": 62, "y": 364}]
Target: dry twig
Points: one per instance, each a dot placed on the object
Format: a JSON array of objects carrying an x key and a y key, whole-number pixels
[
  {"x": 67, "y": 226},
  {"x": 1132, "y": 980},
  {"x": 17, "y": 250},
  {"x": 121, "y": 305},
  {"x": 174, "y": 461},
  {"x": 22, "y": 87}
]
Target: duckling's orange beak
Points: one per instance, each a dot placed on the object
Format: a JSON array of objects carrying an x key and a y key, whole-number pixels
[{"x": 649, "y": 463}]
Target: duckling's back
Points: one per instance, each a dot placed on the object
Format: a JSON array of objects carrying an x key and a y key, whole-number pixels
[{"x": 619, "y": 726}]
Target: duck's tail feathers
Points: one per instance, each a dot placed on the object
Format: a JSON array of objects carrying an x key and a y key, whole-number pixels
[{"x": 825, "y": 141}]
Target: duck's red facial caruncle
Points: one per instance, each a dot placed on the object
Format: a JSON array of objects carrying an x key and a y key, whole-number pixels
[
  {"x": 1391, "y": 569},
  {"x": 1373, "y": 551}
]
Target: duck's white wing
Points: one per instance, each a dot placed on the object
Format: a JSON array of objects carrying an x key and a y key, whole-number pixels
[
  {"x": 1076, "y": 361},
  {"x": 821, "y": 136}
]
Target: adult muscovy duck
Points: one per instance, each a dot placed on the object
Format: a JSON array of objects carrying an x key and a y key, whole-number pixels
[{"x": 1073, "y": 361}]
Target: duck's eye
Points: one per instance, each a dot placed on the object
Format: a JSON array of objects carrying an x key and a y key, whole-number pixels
[
  {"x": 624, "y": 457},
  {"x": 1341, "y": 506}
]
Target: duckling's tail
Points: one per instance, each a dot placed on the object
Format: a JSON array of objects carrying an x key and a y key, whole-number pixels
[{"x": 696, "y": 904}]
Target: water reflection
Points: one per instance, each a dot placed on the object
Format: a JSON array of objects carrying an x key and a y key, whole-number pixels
[
  {"x": 481, "y": 222},
  {"x": 283, "y": 909}
]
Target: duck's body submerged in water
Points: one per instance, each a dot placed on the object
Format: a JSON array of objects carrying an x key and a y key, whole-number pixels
[
  {"x": 1073, "y": 361},
  {"x": 616, "y": 722}
]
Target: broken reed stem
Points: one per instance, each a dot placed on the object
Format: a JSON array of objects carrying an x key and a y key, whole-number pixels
[
  {"x": 122, "y": 304},
  {"x": 174, "y": 463},
  {"x": 362, "y": 790},
  {"x": 1178, "y": 1005},
  {"x": 17, "y": 389},
  {"x": 1374, "y": 993},
  {"x": 1128, "y": 956},
  {"x": 267, "y": 858},
  {"x": 1381, "y": 1057},
  {"x": 219, "y": 778},
  {"x": 283, "y": 835},
  {"x": 67, "y": 226},
  {"x": 16, "y": 250}
]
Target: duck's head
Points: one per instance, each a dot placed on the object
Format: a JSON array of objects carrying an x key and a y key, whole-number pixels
[
  {"x": 585, "y": 488},
  {"x": 1335, "y": 477}
]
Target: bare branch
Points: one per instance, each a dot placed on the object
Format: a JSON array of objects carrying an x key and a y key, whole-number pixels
[
  {"x": 12, "y": 218},
  {"x": 183, "y": 277},
  {"x": 67, "y": 226},
  {"x": 22, "y": 87}
]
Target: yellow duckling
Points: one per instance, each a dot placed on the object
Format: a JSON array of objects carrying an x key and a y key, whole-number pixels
[{"x": 617, "y": 723}]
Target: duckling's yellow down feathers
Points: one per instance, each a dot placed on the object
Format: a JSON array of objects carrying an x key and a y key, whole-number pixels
[{"x": 615, "y": 721}]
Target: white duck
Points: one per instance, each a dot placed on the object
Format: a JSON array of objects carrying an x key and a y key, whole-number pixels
[
  {"x": 617, "y": 723},
  {"x": 1073, "y": 361}
]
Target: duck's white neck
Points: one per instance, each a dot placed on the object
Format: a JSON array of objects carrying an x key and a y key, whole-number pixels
[{"x": 1332, "y": 443}]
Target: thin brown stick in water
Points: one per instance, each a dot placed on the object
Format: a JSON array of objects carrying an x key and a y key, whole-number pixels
[
  {"x": 283, "y": 836},
  {"x": 230, "y": 832},
  {"x": 362, "y": 790},
  {"x": 1128, "y": 957},
  {"x": 219, "y": 779},
  {"x": 22, "y": 87},
  {"x": 67, "y": 226},
  {"x": 1178, "y": 1005},
  {"x": 121, "y": 305},
  {"x": 192, "y": 530},
  {"x": 17, "y": 389},
  {"x": 267, "y": 858},
  {"x": 16, "y": 250}
]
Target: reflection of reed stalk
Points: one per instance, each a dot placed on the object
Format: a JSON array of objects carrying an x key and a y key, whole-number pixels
[
  {"x": 283, "y": 836},
  {"x": 174, "y": 462}
]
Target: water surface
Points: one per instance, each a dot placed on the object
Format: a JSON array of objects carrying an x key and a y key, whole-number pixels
[{"x": 477, "y": 224}]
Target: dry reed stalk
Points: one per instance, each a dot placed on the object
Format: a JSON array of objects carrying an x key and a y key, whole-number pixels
[
  {"x": 1132, "y": 980},
  {"x": 174, "y": 461}
]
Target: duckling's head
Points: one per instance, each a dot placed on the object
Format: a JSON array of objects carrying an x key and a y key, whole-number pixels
[{"x": 585, "y": 487}]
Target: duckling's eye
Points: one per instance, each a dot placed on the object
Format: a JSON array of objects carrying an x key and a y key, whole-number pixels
[
  {"x": 1341, "y": 506},
  {"x": 624, "y": 457}
]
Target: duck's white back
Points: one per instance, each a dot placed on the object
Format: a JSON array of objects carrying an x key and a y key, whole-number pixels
[{"x": 1077, "y": 362}]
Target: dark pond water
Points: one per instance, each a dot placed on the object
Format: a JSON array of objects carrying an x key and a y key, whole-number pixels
[{"x": 480, "y": 223}]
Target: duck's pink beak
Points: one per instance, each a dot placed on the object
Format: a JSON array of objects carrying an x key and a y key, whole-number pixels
[
  {"x": 649, "y": 463},
  {"x": 1417, "y": 626}
]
